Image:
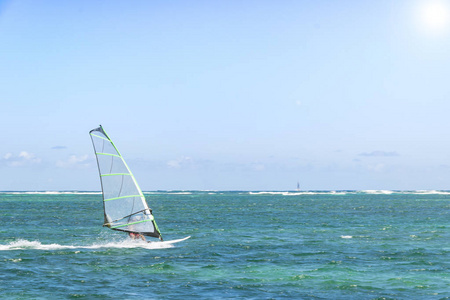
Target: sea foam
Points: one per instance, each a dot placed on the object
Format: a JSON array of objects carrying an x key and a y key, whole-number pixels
[{"x": 126, "y": 244}]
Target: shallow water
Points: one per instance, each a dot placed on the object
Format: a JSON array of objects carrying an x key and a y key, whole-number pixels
[{"x": 312, "y": 245}]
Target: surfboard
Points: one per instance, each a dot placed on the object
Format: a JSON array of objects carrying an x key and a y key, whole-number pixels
[{"x": 169, "y": 242}]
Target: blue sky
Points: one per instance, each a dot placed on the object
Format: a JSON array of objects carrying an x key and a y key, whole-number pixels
[{"x": 227, "y": 95}]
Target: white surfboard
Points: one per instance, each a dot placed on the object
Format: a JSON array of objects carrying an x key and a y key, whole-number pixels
[{"x": 170, "y": 242}]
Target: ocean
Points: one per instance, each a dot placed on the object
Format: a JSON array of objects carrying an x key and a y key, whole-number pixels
[{"x": 244, "y": 245}]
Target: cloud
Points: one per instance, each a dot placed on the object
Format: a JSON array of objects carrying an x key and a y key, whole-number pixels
[
  {"x": 24, "y": 158},
  {"x": 74, "y": 161},
  {"x": 58, "y": 147},
  {"x": 184, "y": 161},
  {"x": 258, "y": 167},
  {"x": 377, "y": 168},
  {"x": 379, "y": 154}
]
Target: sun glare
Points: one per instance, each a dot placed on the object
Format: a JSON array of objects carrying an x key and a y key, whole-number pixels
[{"x": 434, "y": 16}]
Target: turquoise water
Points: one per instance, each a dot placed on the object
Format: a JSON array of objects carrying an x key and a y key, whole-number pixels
[{"x": 312, "y": 245}]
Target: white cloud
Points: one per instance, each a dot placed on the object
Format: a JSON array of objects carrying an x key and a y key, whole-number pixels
[
  {"x": 182, "y": 162},
  {"x": 258, "y": 167},
  {"x": 74, "y": 161},
  {"x": 24, "y": 158},
  {"x": 379, "y": 154},
  {"x": 377, "y": 167}
]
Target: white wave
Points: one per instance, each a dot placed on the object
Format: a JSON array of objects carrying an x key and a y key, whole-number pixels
[
  {"x": 378, "y": 192},
  {"x": 370, "y": 192},
  {"x": 126, "y": 244},
  {"x": 172, "y": 192},
  {"x": 301, "y": 193},
  {"x": 268, "y": 193},
  {"x": 430, "y": 192},
  {"x": 413, "y": 192},
  {"x": 180, "y": 193},
  {"x": 346, "y": 236},
  {"x": 211, "y": 192},
  {"x": 51, "y": 193},
  {"x": 340, "y": 192}
]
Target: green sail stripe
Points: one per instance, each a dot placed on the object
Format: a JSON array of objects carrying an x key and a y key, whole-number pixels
[
  {"x": 100, "y": 137},
  {"x": 132, "y": 223},
  {"x": 116, "y": 174},
  {"x": 109, "y": 154},
  {"x": 129, "y": 196}
]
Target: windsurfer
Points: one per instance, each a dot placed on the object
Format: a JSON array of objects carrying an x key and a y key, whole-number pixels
[{"x": 135, "y": 236}]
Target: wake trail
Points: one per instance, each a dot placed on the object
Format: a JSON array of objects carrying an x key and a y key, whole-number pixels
[{"x": 36, "y": 245}]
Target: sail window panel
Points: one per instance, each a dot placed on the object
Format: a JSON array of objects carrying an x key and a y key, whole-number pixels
[
  {"x": 144, "y": 225},
  {"x": 104, "y": 146},
  {"x": 111, "y": 164},
  {"x": 137, "y": 223},
  {"x": 115, "y": 186},
  {"x": 97, "y": 135},
  {"x": 117, "y": 209}
]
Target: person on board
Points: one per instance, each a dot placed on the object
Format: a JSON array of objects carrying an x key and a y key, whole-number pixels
[{"x": 134, "y": 236}]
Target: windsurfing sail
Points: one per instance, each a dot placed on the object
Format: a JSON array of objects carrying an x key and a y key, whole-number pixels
[{"x": 124, "y": 204}]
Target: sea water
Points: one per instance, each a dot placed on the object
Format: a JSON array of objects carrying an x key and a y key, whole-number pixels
[{"x": 247, "y": 245}]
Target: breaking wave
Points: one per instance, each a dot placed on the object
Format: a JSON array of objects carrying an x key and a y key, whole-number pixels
[
  {"x": 368, "y": 192},
  {"x": 50, "y": 193}
]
